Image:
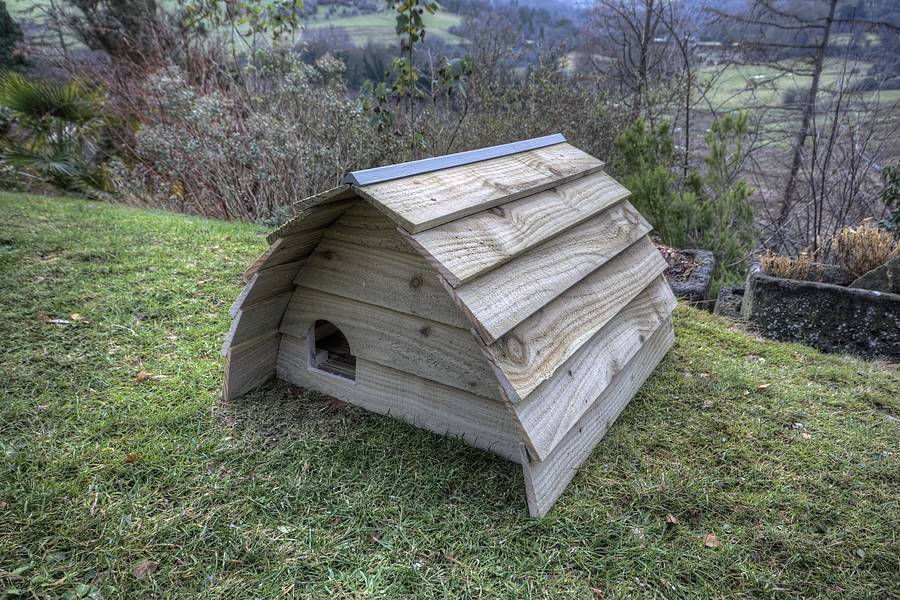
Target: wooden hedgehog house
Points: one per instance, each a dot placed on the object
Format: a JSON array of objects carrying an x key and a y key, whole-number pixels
[{"x": 508, "y": 296}]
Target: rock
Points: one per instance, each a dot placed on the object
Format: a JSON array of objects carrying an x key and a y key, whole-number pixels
[
  {"x": 728, "y": 304},
  {"x": 830, "y": 317},
  {"x": 885, "y": 278},
  {"x": 695, "y": 289}
]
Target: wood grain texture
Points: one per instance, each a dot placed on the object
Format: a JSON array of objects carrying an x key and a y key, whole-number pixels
[
  {"x": 394, "y": 280},
  {"x": 463, "y": 249},
  {"x": 315, "y": 217},
  {"x": 425, "y": 201},
  {"x": 250, "y": 365},
  {"x": 256, "y": 321},
  {"x": 265, "y": 284},
  {"x": 532, "y": 351},
  {"x": 546, "y": 480},
  {"x": 426, "y": 348},
  {"x": 504, "y": 297},
  {"x": 418, "y": 401},
  {"x": 551, "y": 410},
  {"x": 285, "y": 250},
  {"x": 365, "y": 225}
]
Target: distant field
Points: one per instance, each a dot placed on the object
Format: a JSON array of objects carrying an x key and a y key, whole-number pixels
[{"x": 379, "y": 27}]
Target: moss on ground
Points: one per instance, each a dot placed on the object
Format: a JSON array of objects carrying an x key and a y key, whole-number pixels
[{"x": 115, "y": 485}]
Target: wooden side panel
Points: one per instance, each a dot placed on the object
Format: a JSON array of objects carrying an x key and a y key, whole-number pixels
[
  {"x": 364, "y": 225},
  {"x": 532, "y": 351},
  {"x": 249, "y": 365},
  {"x": 411, "y": 344},
  {"x": 394, "y": 280},
  {"x": 261, "y": 319},
  {"x": 501, "y": 299},
  {"x": 284, "y": 250},
  {"x": 423, "y": 403},
  {"x": 424, "y": 201},
  {"x": 546, "y": 480},
  {"x": 315, "y": 217},
  {"x": 548, "y": 413},
  {"x": 265, "y": 284},
  {"x": 465, "y": 248}
]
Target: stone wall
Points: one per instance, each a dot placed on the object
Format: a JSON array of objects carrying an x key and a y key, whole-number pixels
[{"x": 830, "y": 317}]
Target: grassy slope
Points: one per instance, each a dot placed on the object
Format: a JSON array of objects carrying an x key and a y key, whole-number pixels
[
  {"x": 246, "y": 500},
  {"x": 379, "y": 27}
]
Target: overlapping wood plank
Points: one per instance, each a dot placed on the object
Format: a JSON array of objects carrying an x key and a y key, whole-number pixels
[
  {"x": 423, "y": 347},
  {"x": 316, "y": 216},
  {"x": 256, "y": 321},
  {"x": 394, "y": 280},
  {"x": 504, "y": 297},
  {"x": 546, "y": 480},
  {"x": 365, "y": 225},
  {"x": 532, "y": 351},
  {"x": 424, "y": 201},
  {"x": 421, "y": 402},
  {"x": 284, "y": 250},
  {"x": 249, "y": 365},
  {"x": 463, "y": 249},
  {"x": 555, "y": 406},
  {"x": 265, "y": 284}
]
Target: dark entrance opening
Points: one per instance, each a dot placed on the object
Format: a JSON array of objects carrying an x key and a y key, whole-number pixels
[{"x": 330, "y": 351}]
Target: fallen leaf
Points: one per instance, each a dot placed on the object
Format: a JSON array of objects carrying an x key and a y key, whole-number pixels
[
  {"x": 42, "y": 316},
  {"x": 707, "y": 404},
  {"x": 598, "y": 592},
  {"x": 132, "y": 457},
  {"x": 293, "y": 391},
  {"x": 287, "y": 590},
  {"x": 805, "y": 435},
  {"x": 144, "y": 568},
  {"x": 711, "y": 541},
  {"x": 337, "y": 404},
  {"x": 76, "y": 317},
  {"x": 453, "y": 559},
  {"x": 670, "y": 519},
  {"x": 284, "y": 529},
  {"x": 142, "y": 376},
  {"x": 60, "y": 321},
  {"x": 3, "y": 505},
  {"x": 763, "y": 386}
]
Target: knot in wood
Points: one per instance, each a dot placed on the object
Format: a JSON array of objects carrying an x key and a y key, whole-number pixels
[
  {"x": 328, "y": 255},
  {"x": 499, "y": 211},
  {"x": 416, "y": 282},
  {"x": 425, "y": 331},
  {"x": 515, "y": 350}
]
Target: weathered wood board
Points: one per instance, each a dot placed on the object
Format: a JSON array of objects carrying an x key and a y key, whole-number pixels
[
  {"x": 285, "y": 250},
  {"x": 465, "y": 248},
  {"x": 551, "y": 410},
  {"x": 314, "y": 217},
  {"x": 501, "y": 299},
  {"x": 423, "y": 347},
  {"x": 395, "y": 280},
  {"x": 425, "y": 201},
  {"x": 546, "y": 480},
  {"x": 418, "y": 401},
  {"x": 364, "y": 225},
  {"x": 249, "y": 365},
  {"x": 265, "y": 284},
  {"x": 256, "y": 321},
  {"x": 532, "y": 351}
]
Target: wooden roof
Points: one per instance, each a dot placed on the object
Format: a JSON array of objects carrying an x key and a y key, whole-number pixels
[{"x": 542, "y": 252}]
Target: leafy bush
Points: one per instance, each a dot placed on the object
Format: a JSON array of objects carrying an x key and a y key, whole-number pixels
[
  {"x": 52, "y": 132},
  {"x": 863, "y": 248},
  {"x": 708, "y": 210}
]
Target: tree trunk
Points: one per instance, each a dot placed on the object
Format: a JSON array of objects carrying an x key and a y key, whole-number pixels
[{"x": 808, "y": 113}]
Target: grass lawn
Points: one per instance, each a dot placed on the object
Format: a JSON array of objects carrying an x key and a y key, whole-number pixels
[
  {"x": 115, "y": 485},
  {"x": 379, "y": 27}
]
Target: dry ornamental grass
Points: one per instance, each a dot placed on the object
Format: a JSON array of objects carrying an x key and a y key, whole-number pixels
[{"x": 863, "y": 248}]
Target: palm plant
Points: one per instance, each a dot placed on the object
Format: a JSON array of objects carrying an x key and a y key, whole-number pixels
[{"x": 52, "y": 131}]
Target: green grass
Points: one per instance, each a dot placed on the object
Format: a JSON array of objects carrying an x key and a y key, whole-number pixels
[
  {"x": 379, "y": 28},
  {"x": 799, "y": 479}
]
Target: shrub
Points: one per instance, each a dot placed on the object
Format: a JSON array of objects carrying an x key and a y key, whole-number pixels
[
  {"x": 708, "y": 211},
  {"x": 863, "y": 248},
  {"x": 804, "y": 267},
  {"x": 10, "y": 38}
]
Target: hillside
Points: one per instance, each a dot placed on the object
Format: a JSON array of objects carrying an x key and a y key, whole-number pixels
[{"x": 124, "y": 475}]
